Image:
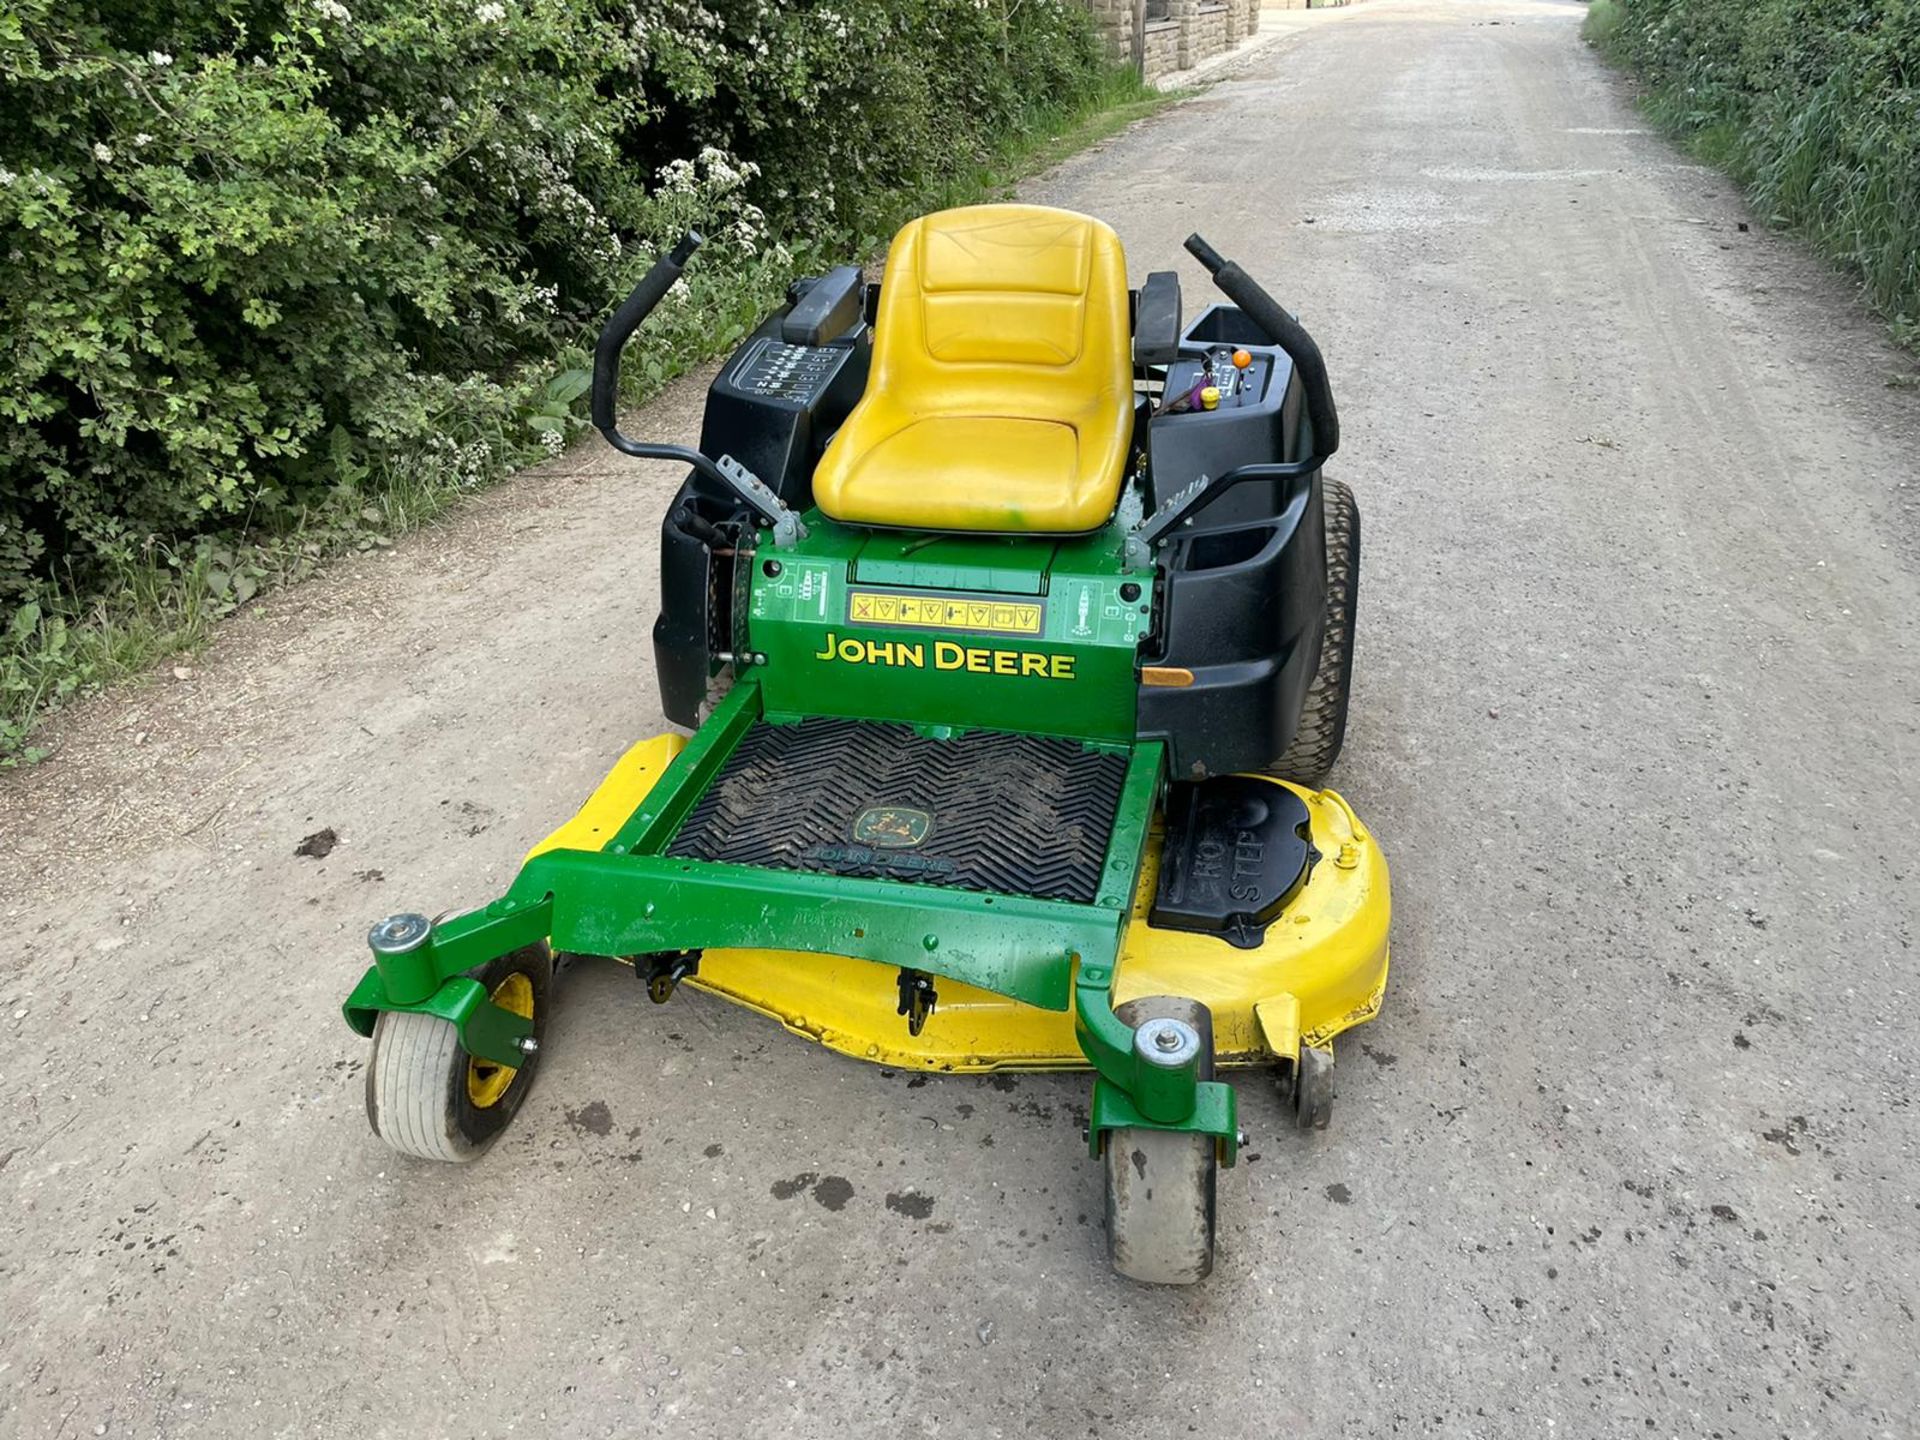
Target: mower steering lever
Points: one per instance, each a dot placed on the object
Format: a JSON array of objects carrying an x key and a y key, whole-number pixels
[
  {"x": 620, "y": 326},
  {"x": 729, "y": 474},
  {"x": 1286, "y": 332}
]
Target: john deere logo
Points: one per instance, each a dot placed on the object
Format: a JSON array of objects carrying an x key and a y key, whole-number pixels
[{"x": 892, "y": 827}]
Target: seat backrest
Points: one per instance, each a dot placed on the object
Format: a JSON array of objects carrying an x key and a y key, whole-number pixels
[
  {"x": 998, "y": 313},
  {"x": 1002, "y": 303}
]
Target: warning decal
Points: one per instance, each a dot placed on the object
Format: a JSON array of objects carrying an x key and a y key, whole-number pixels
[{"x": 977, "y": 614}]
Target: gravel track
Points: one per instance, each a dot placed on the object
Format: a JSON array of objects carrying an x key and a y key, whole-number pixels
[{"x": 1630, "y": 1151}]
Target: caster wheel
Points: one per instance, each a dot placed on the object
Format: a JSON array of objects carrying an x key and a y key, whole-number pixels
[
  {"x": 1160, "y": 1183},
  {"x": 427, "y": 1097},
  {"x": 1313, "y": 1089}
]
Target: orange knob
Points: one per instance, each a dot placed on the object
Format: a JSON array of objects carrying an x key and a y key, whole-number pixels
[{"x": 1241, "y": 359}]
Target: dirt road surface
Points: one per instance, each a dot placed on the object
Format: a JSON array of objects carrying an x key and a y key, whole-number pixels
[{"x": 1631, "y": 1150}]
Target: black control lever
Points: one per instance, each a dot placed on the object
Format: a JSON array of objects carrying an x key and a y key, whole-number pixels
[
  {"x": 729, "y": 474},
  {"x": 619, "y": 328},
  {"x": 1286, "y": 332}
]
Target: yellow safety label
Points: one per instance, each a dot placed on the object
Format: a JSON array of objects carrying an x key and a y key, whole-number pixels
[{"x": 945, "y": 612}]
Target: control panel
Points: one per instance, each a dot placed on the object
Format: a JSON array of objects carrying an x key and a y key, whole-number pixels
[
  {"x": 1236, "y": 378},
  {"x": 1230, "y": 400},
  {"x": 775, "y": 370}
]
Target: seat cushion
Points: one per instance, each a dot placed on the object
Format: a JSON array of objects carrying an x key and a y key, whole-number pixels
[
  {"x": 1000, "y": 396},
  {"x": 973, "y": 472}
]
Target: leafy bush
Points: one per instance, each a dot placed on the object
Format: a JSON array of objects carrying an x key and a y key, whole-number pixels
[
  {"x": 283, "y": 274},
  {"x": 1813, "y": 104}
]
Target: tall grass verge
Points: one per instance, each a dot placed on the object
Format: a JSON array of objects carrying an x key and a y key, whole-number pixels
[{"x": 1813, "y": 107}]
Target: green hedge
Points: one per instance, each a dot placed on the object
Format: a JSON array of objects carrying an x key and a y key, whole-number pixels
[
  {"x": 299, "y": 268},
  {"x": 1813, "y": 104}
]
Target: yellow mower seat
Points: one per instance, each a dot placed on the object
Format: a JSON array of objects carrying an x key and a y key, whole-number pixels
[{"x": 1001, "y": 392}]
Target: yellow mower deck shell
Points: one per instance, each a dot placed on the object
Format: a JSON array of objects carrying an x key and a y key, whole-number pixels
[{"x": 1321, "y": 968}]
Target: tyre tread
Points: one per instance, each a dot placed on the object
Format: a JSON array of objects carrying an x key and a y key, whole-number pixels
[
  {"x": 416, "y": 1061},
  {"x": 1323, "y": 718}
]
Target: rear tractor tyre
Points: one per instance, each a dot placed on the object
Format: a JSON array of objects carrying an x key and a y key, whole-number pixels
[
  {"x": 1160, "y": 1183},
  {"x": 1323, "y": 719},
  {"x": 427, "y": 1097}
]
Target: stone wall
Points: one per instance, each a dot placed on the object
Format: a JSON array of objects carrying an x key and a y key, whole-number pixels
[
  {"x": 1115, "y": 18},
  {"x": 1203, "y": 31},
  {"x": 1192, "y": 31},
  {"x": 1163, "y": 49}
]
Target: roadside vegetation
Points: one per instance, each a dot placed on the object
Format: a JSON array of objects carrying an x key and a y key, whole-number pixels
[
  {"x": 1813, "y": 105},
  {"x": 285, "y": 278}
]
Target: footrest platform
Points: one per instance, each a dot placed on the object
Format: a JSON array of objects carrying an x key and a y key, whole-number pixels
[{"x": 985, "y": 811}]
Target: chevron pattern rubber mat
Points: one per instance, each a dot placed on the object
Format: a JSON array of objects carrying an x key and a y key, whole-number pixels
[{"x": 1009, "y": 814}]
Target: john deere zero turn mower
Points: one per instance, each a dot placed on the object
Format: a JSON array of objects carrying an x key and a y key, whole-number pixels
[{"x": 1013, "y": 623}]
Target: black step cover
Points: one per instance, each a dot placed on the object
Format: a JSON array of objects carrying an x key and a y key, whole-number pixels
[{"x": 1237, "y": 849}]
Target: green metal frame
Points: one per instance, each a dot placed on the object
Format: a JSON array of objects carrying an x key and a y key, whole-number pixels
[
  {"x": 630, "y": 898},
  {"x": 1128, "y": 1091}
]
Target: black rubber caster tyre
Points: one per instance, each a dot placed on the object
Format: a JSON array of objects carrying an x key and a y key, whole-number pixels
[
  {"x": 1323, "y": 719},
  {"x": 427, "y": 1097},
  {"x": 1313, "y": 1089},
  {"x": 1160, "y": 1183}
]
